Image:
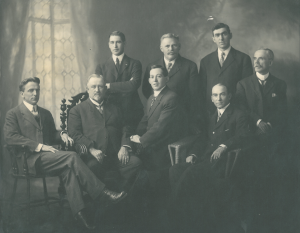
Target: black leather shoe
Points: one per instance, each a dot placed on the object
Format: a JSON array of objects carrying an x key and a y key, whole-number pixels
[
  {"x": 113, "y": 197},
  {"x": 84, "y": 220}
]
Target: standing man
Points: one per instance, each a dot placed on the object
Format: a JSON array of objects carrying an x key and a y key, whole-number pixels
[
  {"x": 183, "y": 78},
  {"x": 226, "y": 64},
  {"x": 122, "y": 75},
  {"x": 33, "y": 126},
  {"x": 263, "y": 96},
  {"x": 98, "y": 125}
]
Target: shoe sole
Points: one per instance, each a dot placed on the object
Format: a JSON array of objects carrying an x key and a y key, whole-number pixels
[{"x": 120, "y": 199}]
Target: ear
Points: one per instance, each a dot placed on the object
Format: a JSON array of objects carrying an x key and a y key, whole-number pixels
[
  {"x": 179, "y": 46},
  {"x": 230, "y": 35},
  {"x": 161, "y": 48},
  {"x": 270, "y": 62},
  {"x": 22, "y": 94}
]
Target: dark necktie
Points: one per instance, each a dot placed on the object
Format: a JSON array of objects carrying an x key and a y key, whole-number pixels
[
  {"x": 118, "y": 64},
  {"x": 152, "y": 102},
  {"x": 263, "y": 82},
  {"x": 35, "y": 114},
  {"x": 219, "y": 116},
  {"x": 222, "y": 59},
  {"x": 100, "y": 108}
]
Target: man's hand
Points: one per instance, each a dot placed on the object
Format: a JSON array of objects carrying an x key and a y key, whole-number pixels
[
  {"x": 123, "y": 155},
  {"x": 190, "y": 159},
  {"x": 48, "y": 148},
  {"x": 67, "y": 140},
  {"x": 217, "y": 153},
  {"x": 264, "y": 127},
  {"x": 135, "y": 138},
  {"x": 97, "y": 154}
]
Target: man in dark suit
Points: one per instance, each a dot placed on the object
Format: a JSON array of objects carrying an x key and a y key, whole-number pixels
[
  {"x": 123, "y": 77},
  {"x": 159, "y": 126},
  {"x": 33, "y": 126},
  {"x": 199, "y": 189},
  {"x": 226, "y": 64},
  {"x": 98, "y": 125},
  {"x": 263, "y": 96},
  {"x": 183, "y": 78}
]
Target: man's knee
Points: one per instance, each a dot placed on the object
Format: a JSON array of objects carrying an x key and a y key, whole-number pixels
[{"x": 134, "y": 161}]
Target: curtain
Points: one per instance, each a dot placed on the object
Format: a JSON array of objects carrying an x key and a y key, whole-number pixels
[{"x": 85, "y": 39}]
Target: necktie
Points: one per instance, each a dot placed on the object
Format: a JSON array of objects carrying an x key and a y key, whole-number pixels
[
  {"x": 100, "y": 108},
  {"x": 222, "y": 59},
  {"x": 152, "y": 102},
  {"x": 262, "y": 82},
  {"x": 34, "y": 110},
  {"x": 169, "y": 66},
  {"x": 118, "y": 64},
  {"x": 219, "y": 116}
]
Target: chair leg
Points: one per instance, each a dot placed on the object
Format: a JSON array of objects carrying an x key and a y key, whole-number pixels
[
  {"x": 12, "y": 200},
  {"x": 61, "y": 191},
  {"x": 46, "y": 193},
  {"x": 28, "y": 200}
]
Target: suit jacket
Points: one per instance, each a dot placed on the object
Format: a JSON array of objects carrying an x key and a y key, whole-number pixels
[
  {"x": 236, "y": 67},
  {"x": 269, "y": 105},
  {"x": 21, "y": 128},
  {"x": 159, "y": 127},
  {"x": 184, "y": 81},
  {"x": 87, "y": 126},
  {"x": 231, "y": 130},
  {"x": 124, "y": 87}
]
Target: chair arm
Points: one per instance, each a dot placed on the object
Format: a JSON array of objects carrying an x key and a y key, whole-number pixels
[
  {"x": 232, "y": 157},
  {"x": 178, "y": 146}
]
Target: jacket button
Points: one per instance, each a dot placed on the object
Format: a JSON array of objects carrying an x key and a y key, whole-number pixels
[{"x": 212, "y": 144}]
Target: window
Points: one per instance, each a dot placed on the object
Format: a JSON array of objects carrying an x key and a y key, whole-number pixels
[{"x": 50, "y": 53}]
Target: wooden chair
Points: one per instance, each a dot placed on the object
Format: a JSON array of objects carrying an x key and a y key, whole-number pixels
[
  {"x": 179, "y": 149},
  {"x": 18, "y": 174}
]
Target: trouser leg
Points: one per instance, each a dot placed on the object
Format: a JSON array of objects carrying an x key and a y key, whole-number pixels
[{"x": 75, "y": 174}]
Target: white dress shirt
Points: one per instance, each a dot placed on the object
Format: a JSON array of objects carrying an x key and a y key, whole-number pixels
[
  {"x": 120, "y": 57},
  {"x": 225, "y": 52},
  {"x": 167, "y": 63},
  {"x": 156, "y": 93},
  {"x": 261, "y": 77}
]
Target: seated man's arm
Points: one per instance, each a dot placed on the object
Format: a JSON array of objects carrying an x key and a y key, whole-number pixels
[
  {"x": 132, "y": 84},
  {"x": 75, "y": 129},
  {"x": 157, "y": 131}
]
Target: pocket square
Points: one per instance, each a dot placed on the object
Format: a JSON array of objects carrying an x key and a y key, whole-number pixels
[
  {"x": 274, "y": 95},
  {"x": 226, "y": 129}
]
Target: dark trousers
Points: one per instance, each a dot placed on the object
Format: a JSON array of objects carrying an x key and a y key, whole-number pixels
[
  {"x": 128, "y": 172},
  {"x": 75, "y": 175}
]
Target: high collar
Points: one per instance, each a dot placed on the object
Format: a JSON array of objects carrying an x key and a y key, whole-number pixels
[
  {"x": 222, "y": 110},
  {"x": 96, "y": 103},
  {"x": 120, "y": 57},
  {"x": 262, "y": 77},
  {"x": 28, "y": 105},
  {"x": 167, "y": 61},
  {"x": 156, "y": 93},
  {"x": 226, "y": 52}
]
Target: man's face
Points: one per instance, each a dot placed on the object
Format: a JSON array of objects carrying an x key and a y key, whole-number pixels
[
  {"x": 220, "y": 96},
  {"x": 170, "y": 47},
  {"x": 31, "y": 93},
  {"x": 222, "y": 38},
  {"x": 116, "y": 45},
  {"x": 96, "y": 89},
  {"x": 261, "y": 62},
  {"x": 157, "y": 79}
]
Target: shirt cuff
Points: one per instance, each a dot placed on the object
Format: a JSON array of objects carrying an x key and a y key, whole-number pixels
[
  {"x": 62, "y": 132},
  {"x": 194, "y": 155},
  {"x": 129, "y": 148},
  {"x": 257, "y": 123},
  {"x": 269, "y": 124},
  {"x": 38, "y": 148},
  {"x": 222, "y": 145}
]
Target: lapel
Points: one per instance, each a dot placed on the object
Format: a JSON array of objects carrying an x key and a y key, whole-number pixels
[
  {"x": 124, "y": 65},
  {"x": 93, "y": 108},
  {"x": 229, "y": 59},
  {"x": 106, "y": 111},
  {"x": 42, "y": 116},
  {"x": 27, "y": 115},
  {"x": 176, "y": 67},
  {"x": 269, "y": 84},
  {"x": 156, "y": 102},
  {"x": 226, "y": 114},
  {"x": 255, "y": 86},
  {"x": 113, "y": 68}
]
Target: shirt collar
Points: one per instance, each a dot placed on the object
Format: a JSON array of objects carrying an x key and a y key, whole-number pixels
[
  {"x": 226, "y": 52},
  {"x": 167, "y": 61},
  {"x": 156, "y": 93},
  {"x": 96, "y": 103},
  {"x": 222, "y": 110},
  {"x": 120, "y": 57},
  {"x": 262, "y": 77},
  {"x": 29, "y": 106}
]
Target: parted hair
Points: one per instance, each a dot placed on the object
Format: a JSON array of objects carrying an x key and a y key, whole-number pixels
[
  {"x": 269, "y": 52},
  {"x": 164, "y": 70},
  {"x": 118, "y": 33},
  {"x": 220, "y": 25},
  {"x": 228, "y": 88},
  {"x": 94, "y": 76},
  {"x": 27, "y": 80}
]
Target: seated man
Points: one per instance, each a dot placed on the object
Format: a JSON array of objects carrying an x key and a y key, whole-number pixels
[
  {"x": 33, "y": 126},
  {"x": 159, "y": 126},
  {"x": 263, "y": 96},
  {"x": 97, "y": 124},
  {"x": 199, "y": 185}
]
